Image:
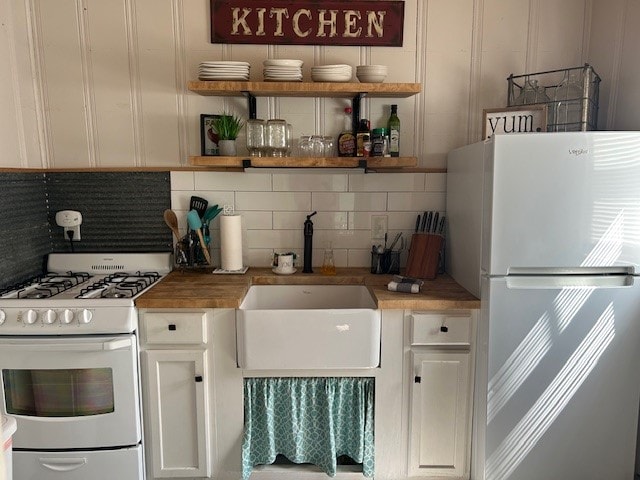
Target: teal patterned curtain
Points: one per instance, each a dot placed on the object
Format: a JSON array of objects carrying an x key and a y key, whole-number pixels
[{"x": 308, "y": 420}]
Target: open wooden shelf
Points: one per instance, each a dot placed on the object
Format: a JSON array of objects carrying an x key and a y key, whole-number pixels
[
  {"x": 304, "y": 162},
  {"x": 304, "y": 89}
]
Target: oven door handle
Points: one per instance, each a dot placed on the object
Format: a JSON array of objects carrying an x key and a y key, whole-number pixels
[
  {"x": 62, "y": 464},
  {"x": 109, "y": 345}
]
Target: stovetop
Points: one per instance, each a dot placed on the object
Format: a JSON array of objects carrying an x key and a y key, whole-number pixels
[{"x": 94, "y": 291}]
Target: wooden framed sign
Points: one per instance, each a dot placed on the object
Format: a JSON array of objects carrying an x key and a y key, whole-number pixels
[
  {"x": 308, "y": 22},
  {"x": 521, "y": 119}
]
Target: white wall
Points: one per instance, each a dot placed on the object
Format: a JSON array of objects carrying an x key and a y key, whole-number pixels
[{"x": 98, "y": 83}]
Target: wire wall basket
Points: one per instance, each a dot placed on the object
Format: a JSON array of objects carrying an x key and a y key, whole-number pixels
[{"x": 571, "y": 96}]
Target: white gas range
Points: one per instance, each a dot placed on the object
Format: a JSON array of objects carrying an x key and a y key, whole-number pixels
[
  {"x": 69, "y": 366},
  {"x": 82, "y": 293}
]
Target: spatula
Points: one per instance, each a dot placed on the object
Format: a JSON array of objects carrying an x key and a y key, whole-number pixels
[
  {"x": 198, "y": 204},
  {"x": 195, "y": 224}
]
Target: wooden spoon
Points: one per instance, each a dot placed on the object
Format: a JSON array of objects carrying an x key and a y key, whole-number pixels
[{"x": 171, "y": 220}]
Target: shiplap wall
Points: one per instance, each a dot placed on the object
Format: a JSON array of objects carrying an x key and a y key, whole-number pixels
[{"x": 96, "y": 83}]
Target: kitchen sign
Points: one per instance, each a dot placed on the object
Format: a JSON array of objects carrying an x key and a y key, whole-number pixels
[
  {"x": 528, "y": 118},
  {"x": 308, "y": 22}
]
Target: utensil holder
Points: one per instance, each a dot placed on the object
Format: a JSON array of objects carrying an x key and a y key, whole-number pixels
[
  {"x": 386, "y": 262},
  {"x": 424, "y": 255}
]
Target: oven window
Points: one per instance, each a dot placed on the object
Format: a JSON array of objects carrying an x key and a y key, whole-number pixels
[{"x": 59, "y": 393}]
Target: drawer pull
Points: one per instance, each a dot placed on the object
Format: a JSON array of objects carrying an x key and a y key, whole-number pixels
[
  {"x": 444, "y": 329},
  {"x": 417, "y": 379},
  {"x": 198, "y": 378},
  {"x": 172, "y": 327}
]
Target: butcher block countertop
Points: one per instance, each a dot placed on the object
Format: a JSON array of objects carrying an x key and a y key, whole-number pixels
[{"x": 202, "y": 289}]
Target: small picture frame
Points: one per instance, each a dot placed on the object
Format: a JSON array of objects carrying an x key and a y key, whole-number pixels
[
  {"x": 208, "y": 135},
  {"x": 520, "y": 119}
]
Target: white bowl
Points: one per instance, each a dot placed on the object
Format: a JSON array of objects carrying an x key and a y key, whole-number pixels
[
  {"x": 371, "y": 77},
  {"x": 372, "y": 68}
]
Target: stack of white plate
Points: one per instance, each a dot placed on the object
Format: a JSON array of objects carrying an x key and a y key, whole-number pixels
[
  {"x": 331, "y": 73},
  {"x": 371, "y": 73},
  {"x": 282, "y": 70},
  {"x": 223, "y": 71}
]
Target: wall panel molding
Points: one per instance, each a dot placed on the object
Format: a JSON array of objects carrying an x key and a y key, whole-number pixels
[
  {"x": 616, "y": 71},
  {"x": 88, "y": 89},
  {"x": 475, "y": 76},
  {"x": 139, "y": 153},
  {"x": 39, "y": 80},
  {"x": 421, "y": 109},
  {"x": 177, "y": 7},
  {"x": 531, "y": 61}
]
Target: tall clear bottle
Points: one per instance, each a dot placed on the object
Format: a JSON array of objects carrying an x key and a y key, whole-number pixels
[
  {"x": 568, "y": 102},
  {"x": 393, "y": 126}
]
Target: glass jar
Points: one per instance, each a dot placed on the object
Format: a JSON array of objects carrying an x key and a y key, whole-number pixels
[
  {"x": 276, "y": 133},
  {"x": 569, "y": 99},
  {"x": 327, "y": 144},
  {"x": 304, "y": 146},
  {"x": 255, "y": 137},
  {"x": 317, "y": 146}
]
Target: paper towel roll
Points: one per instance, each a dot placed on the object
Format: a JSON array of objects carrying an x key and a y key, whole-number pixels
[{"x": 231, "y": 242}]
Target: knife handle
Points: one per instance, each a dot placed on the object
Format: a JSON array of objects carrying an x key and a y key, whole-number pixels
[{"x": 417, "y": 223}]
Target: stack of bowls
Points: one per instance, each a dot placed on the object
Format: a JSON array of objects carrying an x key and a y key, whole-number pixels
[
  {"x": 331, "y": 73},
  {"x": 371, "y": 73}
]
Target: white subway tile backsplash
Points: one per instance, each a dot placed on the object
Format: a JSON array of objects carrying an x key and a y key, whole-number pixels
[
  {"x": 256, "y": 220},
  {"x": 322, "y": 220},
  {"x": 412, "y": 201},
  {"x": 233, "y": 181},
  {"x": 310, "y": 182},
  {"x": 387, "y": 182},
  {"x": 376, "y": 202},
  {"x": 274, "y": 208},
  {"x": 275, "y": 239},
  {"x": 182, "y": 180},
  {"x": 274, "y": 201},
  {"x": 436, "y": 182}
]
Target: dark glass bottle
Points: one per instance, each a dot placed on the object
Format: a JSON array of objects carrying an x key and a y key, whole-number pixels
[
  {"x": 363, "y": 137},
  {"x": 393, "y": 127}
]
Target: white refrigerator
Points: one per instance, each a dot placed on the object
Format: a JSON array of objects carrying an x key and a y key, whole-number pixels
[{"x": 545, "y": 230}]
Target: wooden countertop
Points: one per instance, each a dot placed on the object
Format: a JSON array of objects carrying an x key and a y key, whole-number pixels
[{"x": 202, "y": 289}]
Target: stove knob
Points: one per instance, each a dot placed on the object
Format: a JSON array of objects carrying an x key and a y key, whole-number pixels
[
  {"x": 49, "y": 317},
  {"x": 85, "y": 316},
  {"x": 3, "y": 317},
  {"x": 67, "y": 316},
  {"x": 30, "y": 317}
]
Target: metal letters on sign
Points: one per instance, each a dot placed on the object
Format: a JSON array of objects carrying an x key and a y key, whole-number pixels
[{"x": 308, "y": 22}]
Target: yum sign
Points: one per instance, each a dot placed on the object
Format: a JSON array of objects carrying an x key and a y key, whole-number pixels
[
  {"x": 308, "y": 22},
  {"x": 528, "y": 118}
]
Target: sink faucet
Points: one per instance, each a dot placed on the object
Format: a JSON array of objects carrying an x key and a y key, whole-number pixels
[{"x": 308, "y": 243}]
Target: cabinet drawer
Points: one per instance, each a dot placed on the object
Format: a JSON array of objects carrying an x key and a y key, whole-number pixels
[
  {"x": 441, "y": 329},
  {"x": 182, "y": 328}
]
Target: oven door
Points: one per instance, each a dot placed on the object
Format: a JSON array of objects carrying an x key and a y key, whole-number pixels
[{"x": 71, "y": 392}]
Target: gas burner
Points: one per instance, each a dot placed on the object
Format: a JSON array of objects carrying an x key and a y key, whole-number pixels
[
  {"x": 119, "y": 285},
  {"x": 45, "y": 286}
]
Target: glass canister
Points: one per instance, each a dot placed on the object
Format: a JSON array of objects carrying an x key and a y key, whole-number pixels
[
  {"x": 276, "y": 133},
  {"x": 569, "y": 99},
  {"x": 255, "y": 137}
]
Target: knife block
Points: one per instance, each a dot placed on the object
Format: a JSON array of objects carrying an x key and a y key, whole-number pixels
[{"x": 424, "y": 255}]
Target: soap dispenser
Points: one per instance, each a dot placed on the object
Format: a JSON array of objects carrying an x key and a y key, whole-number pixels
[{"x": 308, "y": 243}]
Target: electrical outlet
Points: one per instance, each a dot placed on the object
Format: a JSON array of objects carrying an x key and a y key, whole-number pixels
[
  {"x": 378, "y": 226},
  {"x": 69, "y": 220}
]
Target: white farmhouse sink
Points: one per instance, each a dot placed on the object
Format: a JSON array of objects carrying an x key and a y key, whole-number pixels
[{"x": 308, "y": 327}]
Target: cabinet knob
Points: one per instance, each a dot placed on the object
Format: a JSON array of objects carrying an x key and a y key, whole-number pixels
[
  {"x": 172, "y": 326},
  {"x": 417, "y": 379},
  {"x": 198, "y": 378},
  {"x": 444, "y": 329}
]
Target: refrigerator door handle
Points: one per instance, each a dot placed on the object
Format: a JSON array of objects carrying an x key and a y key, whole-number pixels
[{"x": 569, "y": 281}]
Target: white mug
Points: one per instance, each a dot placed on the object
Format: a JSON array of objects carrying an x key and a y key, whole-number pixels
[{"x": 283, "y": 262}]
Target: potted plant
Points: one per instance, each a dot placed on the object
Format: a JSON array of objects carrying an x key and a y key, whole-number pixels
[{"x": 228, "y": 127}]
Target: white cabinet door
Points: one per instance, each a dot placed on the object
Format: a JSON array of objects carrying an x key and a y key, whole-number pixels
[
  {"x": 177, "y": 413},
  {"x": 439, "y": 418}
]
